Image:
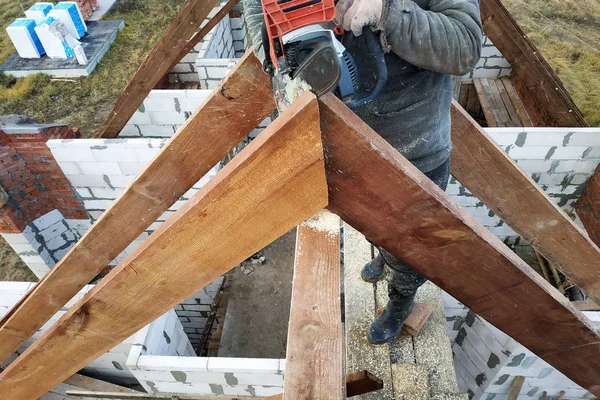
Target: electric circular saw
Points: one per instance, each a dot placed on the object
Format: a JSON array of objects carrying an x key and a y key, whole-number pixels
[{"x": 302, "y": 43}]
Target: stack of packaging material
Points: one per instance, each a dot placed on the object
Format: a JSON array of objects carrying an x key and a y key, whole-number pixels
[
  {"x": 22, "y": 33},
  {"x": 38, "y": 11},
  {"x": 68, "y": 13},
  {"x": 51, "y": 30}
]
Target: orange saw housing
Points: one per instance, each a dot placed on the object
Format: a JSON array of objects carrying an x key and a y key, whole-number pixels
[{"x": 284, "y": 16}]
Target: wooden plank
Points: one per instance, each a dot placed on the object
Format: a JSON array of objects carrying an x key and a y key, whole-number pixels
[
  {"x": 275, "y": 183},
  {"x": 314, "y": 367},
  {"x": 510, "y": 109},
  {"x": 514, "y": 196},
  {"x": 200, "y": 143},
  {"x": 137, "y": 396},
  {"x": 502, "y": 117},
  {"x": 360, "y": 311},
  {"x": 85, "y": 382},
  {"x": 586, "y": 306},
  {"x": 447, "y": 245},
  {"x": 516, "y": 387},
  {"x": 484, "y": 100},
  {"x": 417, "y": 319},
  {"x": 157, "y": 64},
  {"x": 544, "y": 96},
  {"x": 516, "y": 102},
  {"x": 588, "y": 207}
]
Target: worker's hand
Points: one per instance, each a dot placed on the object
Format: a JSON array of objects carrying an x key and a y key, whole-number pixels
[{"x": 356, "y": 14}]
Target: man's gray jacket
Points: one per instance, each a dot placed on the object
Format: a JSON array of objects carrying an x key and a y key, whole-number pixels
[{"x": 427, "y": 40}]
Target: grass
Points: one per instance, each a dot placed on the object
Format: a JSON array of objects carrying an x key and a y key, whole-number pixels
[
  {"x": 567, "y": 33},
  {"x": 12, "y": 268},
  {"x": 85, "y": 102}
]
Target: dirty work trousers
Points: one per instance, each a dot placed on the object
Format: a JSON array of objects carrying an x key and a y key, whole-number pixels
[{"x": 404, "y": 281}]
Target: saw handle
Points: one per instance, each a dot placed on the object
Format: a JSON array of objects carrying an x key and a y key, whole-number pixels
[{"x": 381, "y": 71}]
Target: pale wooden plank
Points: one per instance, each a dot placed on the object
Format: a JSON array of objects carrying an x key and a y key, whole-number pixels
[
  {"x": 516, "y": 102},
  {"x": 510, "y": 108},
  {"x": 447, "y": 245},
  {"x": 516, "y": 387},
  {"x": 314, "y": 367},
  {"x": 200, "y": 143},
  {"x": 275, "y": 183},
  {"x": 157, "y": 64},
  {"x": 85, "y": 382},
  {"x": 491, "y": 175},
  {"x": 360, "y": 311},
  {"x": 502, "y": 117},
  {"x": 488, "y": 111}
]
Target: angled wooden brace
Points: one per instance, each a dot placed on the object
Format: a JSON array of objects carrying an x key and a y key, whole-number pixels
[
  {"x": 491, "y": 175},
  {"x": 157, "y": 64},
  {"x": 397, "y": 207},
  {"x": 275, "y": 183},
  {"x": 207, "y": 136}
]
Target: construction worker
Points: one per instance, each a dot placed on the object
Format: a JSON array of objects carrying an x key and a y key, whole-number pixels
[{"x": 426, "y": 41}]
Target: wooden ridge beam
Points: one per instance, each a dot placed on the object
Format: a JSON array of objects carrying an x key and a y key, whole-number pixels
[
  {"x": 206, "y": 137},
  {"x": 547, "y": 101},
  {"x": 314, "y": 367},
  {"x": 491, "y": 175},
  {"x": 399, "y": 208},
  {"x": 274, "y": 184},
  {"x": 157, "y": 64}
]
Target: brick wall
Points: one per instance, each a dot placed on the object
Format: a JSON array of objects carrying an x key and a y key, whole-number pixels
[
  {"x": 87, "y": 8},
  {"x": 588, "y": 207},
  {"x": 32, "y": 179}
]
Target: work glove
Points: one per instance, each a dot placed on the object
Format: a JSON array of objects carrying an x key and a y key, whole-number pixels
[{"x": 354, "y": 15}]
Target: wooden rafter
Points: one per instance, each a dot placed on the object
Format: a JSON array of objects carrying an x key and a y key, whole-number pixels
[
  {"x": 275, "y": 183},
  {"x": 397, "y": 207},
  {"x": 491, "y": 175},
  {"x": 315, "y": 367},
  {"x": 179, "y": 165},
  {"x": 158, "y": 63},
  {"x": 544, "y": 96}
]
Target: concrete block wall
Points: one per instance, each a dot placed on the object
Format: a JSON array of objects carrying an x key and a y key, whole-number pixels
[
  {"x": 491, "y": 65},
  {"x": 215, "y": 376},
  {"x": 487, "y": 361},
  {"x": 99, "y": 171},
  {"x": 111, "y": 364},
  {"x": 194, "y": 311},
  {"x": 218, "y": 43},
  {"x": 239, "y": 33},
  {"x": 560, "y": 160},
  {"x": 163, "y": 112},
  {"x": 213, "y": 70},
  {"x": 46, "y": 240}
]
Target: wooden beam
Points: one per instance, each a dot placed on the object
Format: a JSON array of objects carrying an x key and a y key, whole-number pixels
[
  {"x": 207, "y": 136},
  {"x": 275, "y": 183},
  {"x": 547, "y": 101},
  {"x": 516, "y": 387},
  {"x": 314, "y": 367},
  {"x": 397, "y": 207},
  {"x": 157, "y": 64},
  {"x": 139, "y": 396},
  {"x": 588, "y": 207},
  {"x": 491, "y": 175}
]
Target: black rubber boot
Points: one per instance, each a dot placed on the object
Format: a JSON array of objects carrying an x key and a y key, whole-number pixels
[
  {"x": 373, "y": 270},
  {"x": 389, "y": 324}
]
